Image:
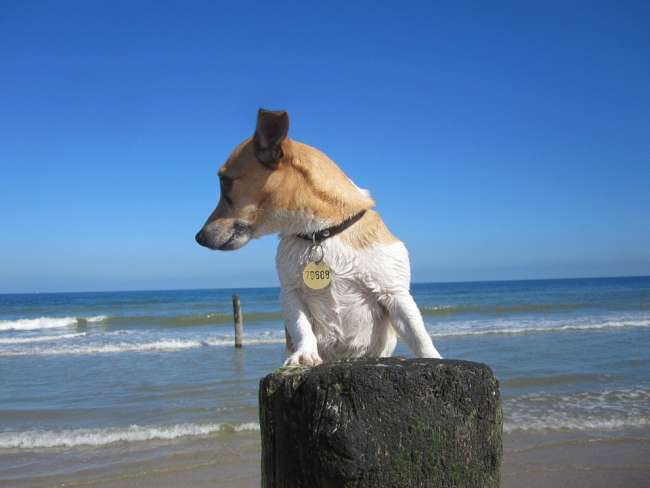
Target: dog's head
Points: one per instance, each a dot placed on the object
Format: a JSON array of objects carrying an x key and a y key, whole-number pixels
[
  {"x": 273, "y": 184},
  {"x": 244, "y": 180}
]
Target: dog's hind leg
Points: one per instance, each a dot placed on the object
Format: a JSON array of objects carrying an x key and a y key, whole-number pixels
[
  {"x": 407, "y": 321},
  {"x": 301, "y": 338}
]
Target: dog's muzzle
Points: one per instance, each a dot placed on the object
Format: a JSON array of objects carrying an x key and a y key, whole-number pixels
[{"x": 224, "y": 237}]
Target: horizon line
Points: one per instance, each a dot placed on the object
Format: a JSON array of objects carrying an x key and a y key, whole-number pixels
[{"x": 134, "y": 290}]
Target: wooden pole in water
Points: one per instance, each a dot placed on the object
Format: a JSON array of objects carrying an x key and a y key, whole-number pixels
[{"x": 239, "y": 320}]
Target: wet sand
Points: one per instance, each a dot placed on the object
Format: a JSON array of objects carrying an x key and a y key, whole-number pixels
[
  {"x": 570, "y": 460},
  {"x": 530, "y": 460}
]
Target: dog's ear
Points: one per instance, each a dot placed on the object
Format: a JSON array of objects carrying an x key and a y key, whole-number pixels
[{"x": 272, "y": 128}]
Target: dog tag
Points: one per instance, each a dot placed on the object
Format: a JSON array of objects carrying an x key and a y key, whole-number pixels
[{"x": 317, "y": 275}]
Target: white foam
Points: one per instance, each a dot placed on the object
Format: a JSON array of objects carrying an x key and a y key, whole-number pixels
[
  {"x": 247, "y": 426},
  {"x": 164, "y": 345},
  {"x": 34, "y": 439},
  {"x": 45, "y": 338},
  {"x": 438, "y": 308},
  {"x": 555, "y": 424},
  {"x": 46, "y": 322},
  {"x": 35, "y": 324},
  {"x": 467, "y": 330},
  {"x": 96, "y": 318},
  {"x": 582, "y": 411}
]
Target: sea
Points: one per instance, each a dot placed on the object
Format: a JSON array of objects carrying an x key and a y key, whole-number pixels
[{"x": 94, "y": 385}]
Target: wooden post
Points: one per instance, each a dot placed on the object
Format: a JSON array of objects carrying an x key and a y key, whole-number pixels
[
  {"x": 381, "y": 422},
  {"x": 239, "y": 320}
]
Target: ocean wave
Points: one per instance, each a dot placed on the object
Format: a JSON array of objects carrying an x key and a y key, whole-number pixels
[
  {"x": 495, "y": 309},
  {"x": 132, "y": 341},
  {"x": 550, "y": 328},
  {"x": 163, "y": 345},
  {"x": 217, "y": 318},
  {"x": 560, "y": 379},
  {"x": 554, "y": 424},
  {"x": 47, "y": 323},
  {"x": 582, "y": 411},
  {"x": 34, "y": 439},
  {"x": 190, "y": 320},
  {"x": 45, "y": 338}
]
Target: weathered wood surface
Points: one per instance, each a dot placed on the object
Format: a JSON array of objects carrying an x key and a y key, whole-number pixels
[
  {"x": 386, "y": 422},
  {"x": 239, "y": 321}
]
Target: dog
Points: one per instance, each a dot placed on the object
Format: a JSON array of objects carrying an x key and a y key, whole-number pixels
[{"x": 344, "y": 277}]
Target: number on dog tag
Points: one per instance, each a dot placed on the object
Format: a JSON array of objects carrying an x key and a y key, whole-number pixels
[{"x": 317, "y": 275}]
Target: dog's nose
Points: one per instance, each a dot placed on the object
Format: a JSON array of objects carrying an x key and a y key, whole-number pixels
[{"x": 200, "y": 237}]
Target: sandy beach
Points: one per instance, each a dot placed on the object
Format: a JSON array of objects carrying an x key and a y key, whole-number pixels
[
  {"x": 530, "y": 460},
  {"x": 563, "y": 460}
]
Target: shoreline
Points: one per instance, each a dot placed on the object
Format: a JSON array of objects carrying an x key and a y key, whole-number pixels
[{"x": 571, "y": 459}]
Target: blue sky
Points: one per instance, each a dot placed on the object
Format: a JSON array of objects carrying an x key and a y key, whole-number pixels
[{"x": 501, "y": 140}]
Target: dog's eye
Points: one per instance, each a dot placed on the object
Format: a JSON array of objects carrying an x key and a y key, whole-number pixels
[{"x": 226, "y": 186}]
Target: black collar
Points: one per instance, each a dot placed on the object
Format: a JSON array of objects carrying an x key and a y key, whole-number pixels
[{"x": 321, "y": 235}]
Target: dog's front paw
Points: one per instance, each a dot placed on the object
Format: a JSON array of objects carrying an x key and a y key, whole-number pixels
[{"x": 303, "y": 358}]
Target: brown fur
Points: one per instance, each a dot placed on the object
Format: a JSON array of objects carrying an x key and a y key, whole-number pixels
[
  {"x": 305, "y": 180},
  {"x": 370, "y": 230}
]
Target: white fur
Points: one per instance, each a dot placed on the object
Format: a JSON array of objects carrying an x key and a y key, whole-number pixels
[
  {"x": 363, "y": 191},
  {"x": 367, "y": 303}
]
